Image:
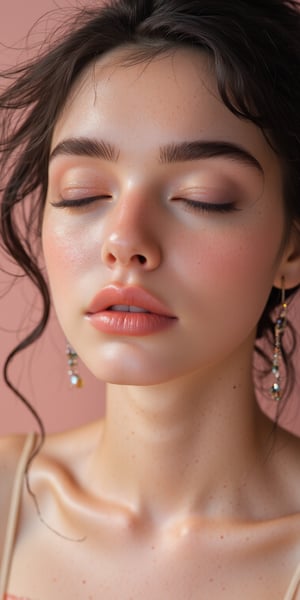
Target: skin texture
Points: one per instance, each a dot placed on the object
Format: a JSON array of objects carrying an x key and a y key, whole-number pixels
[{"x": 182, "y": 492}]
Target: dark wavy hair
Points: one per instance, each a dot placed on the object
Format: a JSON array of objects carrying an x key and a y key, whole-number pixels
[{"x": 255, "y": 48}]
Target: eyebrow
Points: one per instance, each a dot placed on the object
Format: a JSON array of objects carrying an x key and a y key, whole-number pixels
[
  {"x": 201, "y": 149},
  {"x": 170, "y": 153},
  {"x": 83, "y": 146}
]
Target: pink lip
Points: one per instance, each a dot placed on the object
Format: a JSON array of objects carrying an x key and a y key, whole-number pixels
[{"x": 157, "y": 317}]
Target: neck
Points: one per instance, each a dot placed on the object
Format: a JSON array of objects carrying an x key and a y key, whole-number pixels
[{"x": 176, "y": 448}]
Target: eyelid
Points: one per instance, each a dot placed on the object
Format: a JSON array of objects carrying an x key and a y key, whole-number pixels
[
  {"x": 220, "y": 207},
  {"x": 78, "y": 202}
]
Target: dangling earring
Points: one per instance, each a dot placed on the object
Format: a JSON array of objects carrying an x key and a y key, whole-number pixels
[
  {"x": 279, "y": 329},
  {"x": 75, "y": 379}
]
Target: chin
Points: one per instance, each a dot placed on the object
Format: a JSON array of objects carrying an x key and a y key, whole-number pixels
[
  {"x": 127, "y": 379},
  {"x": 137, "y": 376}
]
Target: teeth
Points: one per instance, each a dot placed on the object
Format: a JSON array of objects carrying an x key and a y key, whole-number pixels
[{"x": 126, "y": 308}]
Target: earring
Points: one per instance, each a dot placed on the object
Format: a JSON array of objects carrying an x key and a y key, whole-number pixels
[
  {"x": 75, "y": 379},
  {"x": 279, "y": 329}
]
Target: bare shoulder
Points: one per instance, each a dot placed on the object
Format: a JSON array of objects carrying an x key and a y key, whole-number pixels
[
  {"x": 10, "y": 451},
  {"x": 68, "y": 446},
  {"x": 61, "y": 452},
  {"x": 61, "y": 449},
  {"x": 61, "y": 460}
]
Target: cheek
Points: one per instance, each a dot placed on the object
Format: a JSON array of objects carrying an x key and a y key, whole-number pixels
[
  {"x": 233, "y": 268},
  {"x": 64, "y": 255}
]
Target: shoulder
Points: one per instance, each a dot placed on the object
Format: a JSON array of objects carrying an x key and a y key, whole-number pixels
[
  {"x": 59, "y": 469},
  {"x": 68, "y": 447},
  {"x": 11, "y": 448},
  {"x": 61, "y": 455},
  {"x": 10, "y": 452}
]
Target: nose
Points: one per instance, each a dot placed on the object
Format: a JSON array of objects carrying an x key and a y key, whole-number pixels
[{"x": 131, "y": 237}]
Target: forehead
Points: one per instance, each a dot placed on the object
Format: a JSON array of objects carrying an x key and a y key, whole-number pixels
[
  {"x": 142, "y": 104},
  {"x": 168, "y": 80}
]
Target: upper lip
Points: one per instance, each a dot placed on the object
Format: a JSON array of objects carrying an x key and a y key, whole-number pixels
[{"x": 132, "y": 296}]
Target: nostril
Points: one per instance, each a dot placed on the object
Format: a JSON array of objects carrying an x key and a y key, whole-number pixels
[
  {"x": 111, "y": 258},
  {"x": 141, "y": 259}
]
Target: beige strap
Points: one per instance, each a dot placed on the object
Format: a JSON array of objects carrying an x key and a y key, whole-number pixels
[
  {"x": 294, "y": 584},
  {"x": 13, "y": 513}
]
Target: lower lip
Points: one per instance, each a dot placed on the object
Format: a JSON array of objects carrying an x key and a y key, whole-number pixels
[{"x": 129, "y": 323}]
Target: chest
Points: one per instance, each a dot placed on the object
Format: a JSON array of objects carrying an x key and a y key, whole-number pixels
[{"x": 131, "y": 567}]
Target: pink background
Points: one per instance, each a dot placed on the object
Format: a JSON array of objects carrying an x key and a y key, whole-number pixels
[{"x": 40, "y": 372}]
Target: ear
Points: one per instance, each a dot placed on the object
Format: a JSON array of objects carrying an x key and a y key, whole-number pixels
[{"x": 289, "y": 265}]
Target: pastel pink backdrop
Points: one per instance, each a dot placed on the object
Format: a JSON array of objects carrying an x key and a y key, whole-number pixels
[{"x": 40, "y": 372}]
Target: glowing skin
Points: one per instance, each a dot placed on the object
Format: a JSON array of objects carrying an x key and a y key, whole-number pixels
[
  {"x": 177, "y": 494},
  {"x": 214, "y": 271}
]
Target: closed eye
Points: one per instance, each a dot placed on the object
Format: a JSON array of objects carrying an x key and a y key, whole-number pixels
[
  {"x": 78, "y": 202},
  {"x": 220, "y": 207}
]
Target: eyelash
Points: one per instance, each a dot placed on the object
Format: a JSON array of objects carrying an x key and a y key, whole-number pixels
[
  {"x": 225, "y": 207},
  {"x": 79, "y": 202}
]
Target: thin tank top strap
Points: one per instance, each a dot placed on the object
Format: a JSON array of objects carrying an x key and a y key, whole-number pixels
[
  {"x": 14, "y": 513},
  {"x": 294, "y": 585}
]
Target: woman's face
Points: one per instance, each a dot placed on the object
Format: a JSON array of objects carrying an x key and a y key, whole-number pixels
[{"x": 183, "y": 200}]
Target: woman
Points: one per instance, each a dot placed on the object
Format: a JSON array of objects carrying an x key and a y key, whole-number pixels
[{"x": 158, "y": 148}]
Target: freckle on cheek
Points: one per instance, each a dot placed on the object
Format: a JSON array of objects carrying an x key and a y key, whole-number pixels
[{"x": 61, "y": 253}]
